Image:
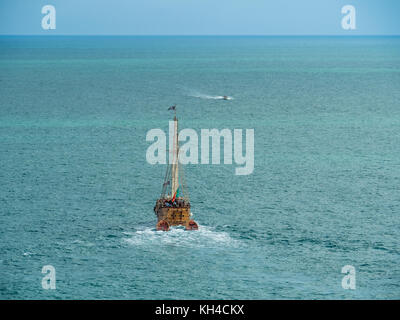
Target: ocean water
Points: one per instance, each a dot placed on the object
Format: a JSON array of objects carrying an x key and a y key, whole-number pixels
[{"x": 77, "y": 193}]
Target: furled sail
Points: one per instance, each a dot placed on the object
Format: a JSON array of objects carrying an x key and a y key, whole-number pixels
[{"x": 175, "y": 160}]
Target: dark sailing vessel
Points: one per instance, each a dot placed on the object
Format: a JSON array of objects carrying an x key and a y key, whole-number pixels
[{"x": 173, "y": 206}]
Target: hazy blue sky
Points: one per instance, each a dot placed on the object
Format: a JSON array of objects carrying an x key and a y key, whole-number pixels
[{"x": 201, "y": 17}]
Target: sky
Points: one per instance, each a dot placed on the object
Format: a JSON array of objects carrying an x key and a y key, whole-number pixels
[{"x": 199, "y": 17}]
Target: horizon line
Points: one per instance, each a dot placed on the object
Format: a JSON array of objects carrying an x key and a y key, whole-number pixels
[{"x": 201, "y": 35}]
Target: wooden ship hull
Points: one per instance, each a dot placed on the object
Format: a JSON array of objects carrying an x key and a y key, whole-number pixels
[
  {"x": 173, "y": 206},
  {"x": 174, "y": 216}
]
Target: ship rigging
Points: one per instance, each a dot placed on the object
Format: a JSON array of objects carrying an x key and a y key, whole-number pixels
[{"x": 173, "y": 206}]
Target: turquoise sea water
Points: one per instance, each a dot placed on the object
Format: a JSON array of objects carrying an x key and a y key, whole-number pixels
[{"x": 77, "y": 193}]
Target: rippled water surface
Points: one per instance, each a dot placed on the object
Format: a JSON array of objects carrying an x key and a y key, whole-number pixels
[{"x": 77, "y": 193}]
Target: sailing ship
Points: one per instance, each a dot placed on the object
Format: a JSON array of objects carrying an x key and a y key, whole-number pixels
[{"x": 173, "y": 206}]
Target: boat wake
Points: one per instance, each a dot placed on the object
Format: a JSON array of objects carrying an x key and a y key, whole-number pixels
[
  {"x": 178, "y": 236},
  {"x": 206, "y": 96}
]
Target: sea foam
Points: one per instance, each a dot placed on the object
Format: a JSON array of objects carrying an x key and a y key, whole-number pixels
[{"x": 204, "y": 237}]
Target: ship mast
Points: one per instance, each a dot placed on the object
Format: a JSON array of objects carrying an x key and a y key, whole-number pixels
[
  {"x": 174, "y": 181},
  {"x": 175, "y": 159}
]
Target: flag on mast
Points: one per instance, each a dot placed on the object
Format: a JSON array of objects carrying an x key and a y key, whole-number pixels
[{"x": 175, "y": 195}]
